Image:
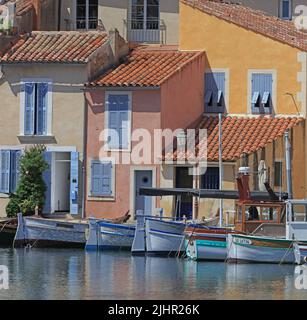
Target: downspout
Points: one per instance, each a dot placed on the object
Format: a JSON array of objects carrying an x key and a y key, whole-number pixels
[
  {"x": 84, "y": 156},
  {"x": 59, "y": 14},
  {"x": 288, "y": 165}
]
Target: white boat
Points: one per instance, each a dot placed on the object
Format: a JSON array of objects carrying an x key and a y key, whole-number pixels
[
  {"x": 258, "y": 249},
  {"x": 300, "y": 252},
  {"x": 290, "y": 248},
  {"x": 105, "y": 235},
  {"x": 164, "y": 237},
  {"x": 39, "y": 232}
]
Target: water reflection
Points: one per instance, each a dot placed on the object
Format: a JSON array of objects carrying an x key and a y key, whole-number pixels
[{"x": 74, "y": 274}]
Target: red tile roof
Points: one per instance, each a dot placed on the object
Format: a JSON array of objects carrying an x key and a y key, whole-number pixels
[
  {"x": 254, "y": 20},
  {"x": 239, "y": 135},
  {"x": 147, "y": 66},
  {"x": 64, "y": 46}
]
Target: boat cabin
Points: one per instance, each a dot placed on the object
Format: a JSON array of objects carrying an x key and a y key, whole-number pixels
[{"x": 250, "y": 214}]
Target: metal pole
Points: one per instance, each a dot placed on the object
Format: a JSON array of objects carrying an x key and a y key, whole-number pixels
[
  {"x": 288, "y": 165},
  {"x": 220, "y": 168}
]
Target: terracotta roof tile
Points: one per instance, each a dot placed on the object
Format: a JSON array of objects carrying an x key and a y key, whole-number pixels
[
  {"x": 240, "y": 135},
  {"x": 22, "y": 6},
  {"x": 64, "y": 46},
  {"x": 147, "y": 66},
  {"x": 255, "y": 20}
]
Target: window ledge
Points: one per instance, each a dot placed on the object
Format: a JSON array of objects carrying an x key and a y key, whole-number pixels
[
  {"x": 36, "y": 139},
  {"x": 4, "y": 195},
  {"x": 101, "y": 198}
]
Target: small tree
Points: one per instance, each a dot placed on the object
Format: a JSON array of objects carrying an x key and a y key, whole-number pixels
[{"x": 31, "y": 187}]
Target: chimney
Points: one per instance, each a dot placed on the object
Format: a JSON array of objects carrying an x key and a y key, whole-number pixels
[
  {"x": 118, "y": 45},
  {"x": 37, "y": 4}
]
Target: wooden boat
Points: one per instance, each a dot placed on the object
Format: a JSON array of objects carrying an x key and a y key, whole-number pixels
[
  {"x": 39, "y": 232},
  {"x": 204, "y": 243},
  {"x": 258, "y": 249},
  {"x": 164, "y": 237},
  {"x": 105, "y": 235},
  {"x": 8, "y": 229},
  {"x": 289, "y": 247}
]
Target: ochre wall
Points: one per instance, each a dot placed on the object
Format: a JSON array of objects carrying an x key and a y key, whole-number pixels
[{"x": 237, "y": 49}]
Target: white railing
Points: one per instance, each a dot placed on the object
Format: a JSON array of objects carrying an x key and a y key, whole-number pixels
[{"x": 148, "y": 32}]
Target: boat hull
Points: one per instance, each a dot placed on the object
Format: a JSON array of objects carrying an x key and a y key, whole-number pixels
[
  {"x": 109, "y": 236},
  {"x": 39, "y": 232},
  {"x": 164, "y": 237},
  {"x": 300, "y": 252},
  {"x": 252, "y": 249},
  {"x": 7, "y": 232},
  {"x": 206, "y": 243}
]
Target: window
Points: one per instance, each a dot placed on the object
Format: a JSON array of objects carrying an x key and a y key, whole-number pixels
[
  {"x": 211, "y": 179},
  {"x": 101, "y": 178},
  {"x": 35, "y": 103},
  {"x": 214, "y": 91},
  {"x": 285, "y": 9},
  {"x": 278, "y": 174},
  {"x": 262, "y": 86},
  {"x": 87, "y": 14},
  {"x": 9, "y": 170},
  {"x": 118, "y": 117},
  {"x": 145, "y": 14}
]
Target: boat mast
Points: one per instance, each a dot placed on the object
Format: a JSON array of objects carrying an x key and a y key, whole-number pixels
[{"x": 220, "y": 168}]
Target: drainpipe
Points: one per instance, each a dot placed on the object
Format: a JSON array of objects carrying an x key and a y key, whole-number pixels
[
  {"x": 221, "y": 168},
  {"x": 288, "y": 165},
  {"x": 84, "y": 156}
]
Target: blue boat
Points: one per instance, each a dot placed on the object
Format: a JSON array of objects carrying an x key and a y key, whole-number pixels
[{"x": 105, "y": 235}]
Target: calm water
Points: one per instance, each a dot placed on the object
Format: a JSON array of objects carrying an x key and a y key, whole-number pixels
[{"x": 74, "y": 274}]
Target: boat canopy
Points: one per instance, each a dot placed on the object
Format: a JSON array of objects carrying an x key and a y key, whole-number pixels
[{"x": 205, "y": 193}]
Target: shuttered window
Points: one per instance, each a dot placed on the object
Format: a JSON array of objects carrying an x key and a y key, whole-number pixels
[
  {"x": 9, "y": 170},
  {"x": 262, "y": 90},
  {"x": 101, "y": 178},
  {"x": 211, "y": 179},
  {"x": 118, "y": 121},
  {"x": 36, "y": 108},
  {"x": 215, "y": 92}
]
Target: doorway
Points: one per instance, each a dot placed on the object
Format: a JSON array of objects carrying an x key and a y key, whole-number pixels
[
  {"x": 184, "y": 180},
  {"x": 143, "y": 179}
]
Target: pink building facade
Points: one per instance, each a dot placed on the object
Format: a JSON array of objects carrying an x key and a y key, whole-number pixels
[{"x": 148, "y": 92}]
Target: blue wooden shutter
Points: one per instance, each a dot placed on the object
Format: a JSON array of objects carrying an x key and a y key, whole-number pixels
[
  {"x": 5, "y": 156},
  {"x": 101, "y": 178},
  {"x": 47, "y": 180},
  {"x": 107, "y": 179},
  {"x": 42, "y": 106},
  {"x": 29, "y": 94},
  {"x": 74, "y": 182},
  {"x": 15, "y": 169},
  {"x": 262, "y": 89},
  {"x": 95, "y": 178},
  {"x": 118, "y": 107},
  {"x": 214, "y": 91}
]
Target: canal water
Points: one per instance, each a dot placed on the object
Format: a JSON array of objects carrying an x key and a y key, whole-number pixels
[{"x": 75, "y": 274}]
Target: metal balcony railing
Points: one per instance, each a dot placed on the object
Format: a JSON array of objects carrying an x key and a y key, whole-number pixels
[{"x": 145, "y": 31}]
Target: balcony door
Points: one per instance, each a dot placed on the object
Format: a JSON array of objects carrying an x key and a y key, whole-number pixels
[
  {"x": 87, "y": 14},
  {"x": 144, "y": 22}
]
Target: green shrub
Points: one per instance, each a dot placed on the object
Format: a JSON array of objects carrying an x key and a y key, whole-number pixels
[{"x": 30, "y": 193}]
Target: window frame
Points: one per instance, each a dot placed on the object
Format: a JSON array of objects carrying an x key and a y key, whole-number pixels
[
  {"x": 203, "y": 178},
  {"x": 145, "y": 17},
  {"x": 214, "y": 108},
  {"x": 87, "y": 16},
  {"x": 273, "y": 72},
  {"x": 289, "y": 16},
  {"x": 106, "y": 197},
  {"x": 106, "y": 113},
  {"x": 36, "y": 81}
]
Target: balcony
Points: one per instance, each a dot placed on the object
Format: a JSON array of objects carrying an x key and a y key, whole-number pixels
[{"x": 145, "y": 32}]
